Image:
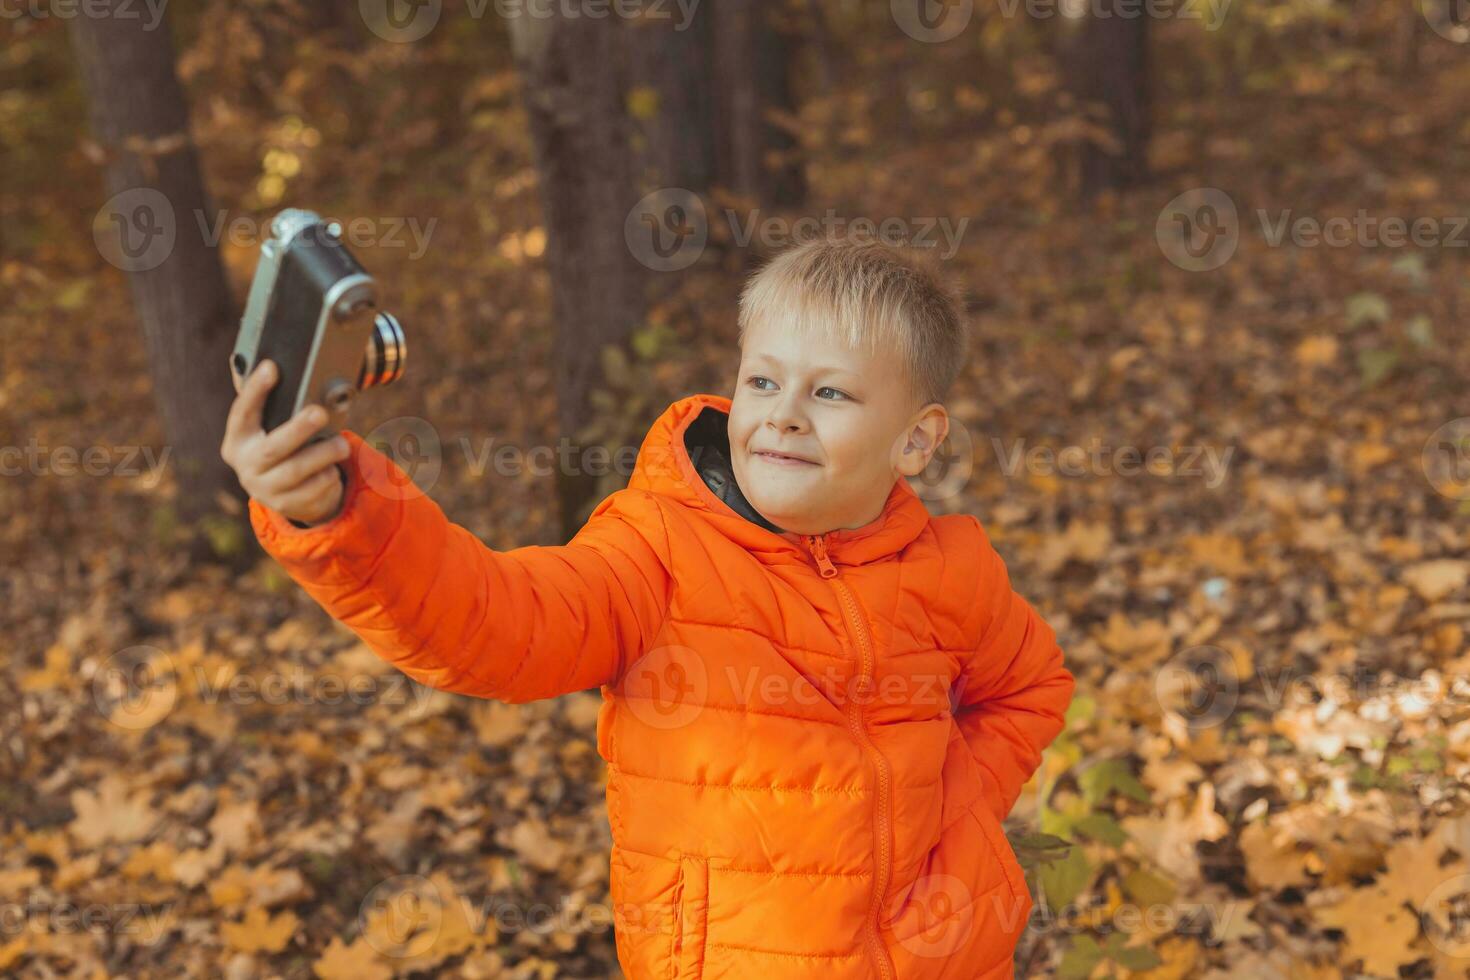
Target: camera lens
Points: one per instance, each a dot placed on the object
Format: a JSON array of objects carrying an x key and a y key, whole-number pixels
[{"x": 387, "y": 350}]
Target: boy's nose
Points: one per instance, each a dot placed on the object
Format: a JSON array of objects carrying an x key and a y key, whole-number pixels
[{"x": 786, "y": 417}]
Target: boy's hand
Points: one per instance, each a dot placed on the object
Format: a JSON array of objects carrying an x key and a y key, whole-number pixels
[{"x": 302, "y": 485}]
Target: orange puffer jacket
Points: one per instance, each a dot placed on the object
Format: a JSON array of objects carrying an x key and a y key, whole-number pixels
[{"x": 811, "y": 741}]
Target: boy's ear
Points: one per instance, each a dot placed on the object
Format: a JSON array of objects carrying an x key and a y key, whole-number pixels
[{"x": 923, "y": 438}]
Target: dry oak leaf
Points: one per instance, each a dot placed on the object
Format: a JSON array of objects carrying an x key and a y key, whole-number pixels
[
  {"x": 259, "y": 931},
  {"x": 11, "y": 952},
  {"x": 191, "y": 867},
  {"x": 111, "y": 814},
  {"x": 1414, "y": 871},
  {"x": 1434, "y": 580},
  {"x": 1170, "y": 840},
  {"x": 263, "y": 886},
  {"x": 1083, "y": 542},
  {"x": 233, "y": 824},
  {"x": 1273, "y": 859},
  {"x": 157, "y": 859},
  {"x": 1170, "y": 778},
  {"x": 56, "y": 674},
  {"x": 1139, "y": 645},
  {"x": 1221, "y": 551},
  {"x": 1376, "y": 929},
  {"x": 1316, "y": 351},
  {"x": 15, "y": 882},
  {"x": 497, "y": 723},
  {"x": 356, "y": 962}
]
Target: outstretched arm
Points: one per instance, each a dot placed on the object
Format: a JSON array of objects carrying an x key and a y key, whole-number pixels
[{"x": 432, "y": 599}]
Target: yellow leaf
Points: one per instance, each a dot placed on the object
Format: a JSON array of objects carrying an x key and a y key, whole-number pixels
[
  {"x": 643, "y": 102},
  {"x": 1434, "y": 580},
  {"x": 1375, "y": 929},
  {"x": 55, "y": 674},
  {"x": 12, "y": 951},
  {"x": 259, "y": 931},
  {"x": 110, "y": 814},
  {"x": 356, "y": 962},
  {"x": 1316, "y": 351}
]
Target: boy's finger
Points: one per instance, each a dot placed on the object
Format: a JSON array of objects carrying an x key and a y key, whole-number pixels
[
  {"x": 245, "y": 413},
  {"x": 291, "y": 435},
  {"x": 304, "y": 465},
  {"x": 311, "y": 493}
]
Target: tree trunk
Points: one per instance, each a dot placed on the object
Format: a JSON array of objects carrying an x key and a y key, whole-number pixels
[
  {"x": 1109, "y": 74},
  {"x": 672, "y": 106},
  {"x": 753, "y": 60},
  {"x": 573, "y": 80},
  {"x": 140, "y": 119}
]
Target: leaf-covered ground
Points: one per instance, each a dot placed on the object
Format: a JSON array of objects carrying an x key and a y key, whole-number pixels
[{"x": 1232, "y": 492}]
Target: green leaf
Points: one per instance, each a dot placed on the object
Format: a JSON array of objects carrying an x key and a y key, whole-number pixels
[
  {"x": 73, "y": 295},
  {"x": 1374, "y": 365},
  {"x": 1147, "y": 888},
  {"x": 1062, "y": 821},
  {"x": 1081, "y": 958},
  {"x": 1421, "y": 331},
  {"x": 1039, "y": 850},
  {"x": 1134, "y": 958},
  {"x": 1101, "y": 827},
  {"x": 226, "y": 535},
  {"x": 1062, "y": 881},
  {"x": 615, "y": 367},
  {"x": 1366, "y": 308},
  {"x": 1109, "y": 776},
  {"x": 1412, "y": 266},
  {"x": 1082, "y": 709}
]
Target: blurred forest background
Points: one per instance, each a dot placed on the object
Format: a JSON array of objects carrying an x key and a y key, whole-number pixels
[{"x": 1265, "y": 771}]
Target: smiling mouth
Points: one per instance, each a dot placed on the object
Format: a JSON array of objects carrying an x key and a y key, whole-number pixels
[{"x": 781, "y": 459}]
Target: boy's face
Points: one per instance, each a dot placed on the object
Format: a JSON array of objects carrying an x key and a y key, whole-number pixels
[{"x": 819, "y": 433}]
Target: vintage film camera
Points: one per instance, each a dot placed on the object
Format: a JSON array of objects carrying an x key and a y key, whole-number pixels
[{"x": 312, "y": 309}]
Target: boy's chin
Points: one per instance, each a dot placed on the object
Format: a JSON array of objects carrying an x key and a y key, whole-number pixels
[{"x": 798, "y": 515}]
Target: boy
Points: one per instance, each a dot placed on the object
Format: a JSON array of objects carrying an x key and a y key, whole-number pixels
[{"x": 819, "y": 701}]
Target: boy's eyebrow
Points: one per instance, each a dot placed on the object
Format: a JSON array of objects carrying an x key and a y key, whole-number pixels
[{"x": 833, "y": 369}]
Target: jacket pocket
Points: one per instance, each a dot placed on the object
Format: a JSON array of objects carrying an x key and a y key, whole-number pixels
[
  {"x": 691, "y": 917},
  {"x": 1004, "y": 855}
]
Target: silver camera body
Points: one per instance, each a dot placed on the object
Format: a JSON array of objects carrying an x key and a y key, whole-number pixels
[{"x": 315, "y": 312}]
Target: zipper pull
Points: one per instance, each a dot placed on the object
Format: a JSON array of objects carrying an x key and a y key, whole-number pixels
[{"x": 818, "y": 545}]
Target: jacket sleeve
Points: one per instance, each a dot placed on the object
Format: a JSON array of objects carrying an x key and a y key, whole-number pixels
[
  {"x": 432, "y": 599},
  {"x": 1014, "y": 691}
]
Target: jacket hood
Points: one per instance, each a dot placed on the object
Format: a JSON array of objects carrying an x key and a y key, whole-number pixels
[{"x": 665, "y": 466}]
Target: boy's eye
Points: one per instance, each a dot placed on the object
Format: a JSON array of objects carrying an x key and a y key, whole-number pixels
[
  {"x": 756, "y": 381},
  {"x": 834, "y": 391}
]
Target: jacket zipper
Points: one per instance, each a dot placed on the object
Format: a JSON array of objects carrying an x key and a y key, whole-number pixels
[{"x": 859, "y": 629}]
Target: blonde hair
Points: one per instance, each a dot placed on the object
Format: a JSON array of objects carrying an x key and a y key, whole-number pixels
[{"x": 860, "y": 292}]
